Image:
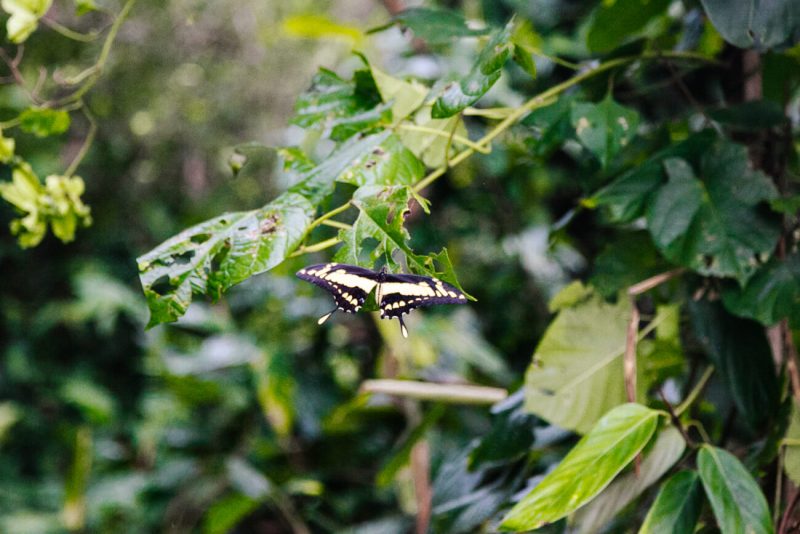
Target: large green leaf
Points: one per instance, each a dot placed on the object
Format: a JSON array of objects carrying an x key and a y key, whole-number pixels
[
  {"x": 212, "y": 256},
  {"x": 772, "y": 294},
  {"x": 457, "y": 95},
  {"x": 616, "y": 22},
  {"x": 714, "y": 223},
  {"x": 436, "y": 26},
  {"x": 677, "y": 507},
  {"x": 667, "y": 449},
  {"x": 737, "y": 501},
  {"x": 755, "y": 23},
  {"x": 628, "y": 259},
  {"x": 604, "y": 128},
  {"x": 389, "y": 163},
  {"x": 739, "y": 350},
  {"x": 588, "y": 468}
]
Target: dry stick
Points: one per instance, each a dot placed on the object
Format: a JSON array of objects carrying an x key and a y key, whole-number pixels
[
  {"x": 450, "y": 393},
  {"x": 420, "y": 472},
  {"x": 787, "y": 515}
]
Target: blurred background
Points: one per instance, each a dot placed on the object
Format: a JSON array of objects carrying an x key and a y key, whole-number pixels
[{"x": 245, "y": 415}]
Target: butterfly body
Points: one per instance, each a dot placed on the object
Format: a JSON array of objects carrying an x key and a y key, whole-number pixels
[{"x": 395, "y": 294}]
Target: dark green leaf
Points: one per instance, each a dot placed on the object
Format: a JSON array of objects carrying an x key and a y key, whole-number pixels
[
  {"x": 677, "y": 507},
  {"x": 524, "y": 59},
  {"x": 436, "y": 26},
  {"x": 225, "y": 514},
  {"x": 620, "y": 21},
  {"x": 84, "y": 6},
  {"x": 750, "y": 115},
  {"x": 700, "y": 223},
  {"x": 510, "y": 437},
  {"x": 44, "y": 122},
  {"x": 604, "y": 128},
  {"x": 588, "y": 468},
  {"x": 737, "y": 501},
  {"x": 739, "y": 350},
  {"x": 214, "y": 255},
  {"x": 552, "y": 125},
  {"x": 755, "y": 24},
  {"x": 772, "y": 294},
  {"x": 460, "y": 94},
  {"x": 628, "y": 259}
]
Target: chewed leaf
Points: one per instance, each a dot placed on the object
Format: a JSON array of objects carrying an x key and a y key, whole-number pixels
[
  {"x": 214, "y": 255},
  {"x": 389, "y": 163}
]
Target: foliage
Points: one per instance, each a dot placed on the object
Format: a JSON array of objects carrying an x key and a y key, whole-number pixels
[{"x": 614, "y": 182}]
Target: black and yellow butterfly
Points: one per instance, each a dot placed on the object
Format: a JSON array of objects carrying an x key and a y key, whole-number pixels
[{"x": 395, "y": 294}]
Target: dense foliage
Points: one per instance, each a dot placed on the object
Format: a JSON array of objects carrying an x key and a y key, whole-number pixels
[{"x": 614, "y": 184}]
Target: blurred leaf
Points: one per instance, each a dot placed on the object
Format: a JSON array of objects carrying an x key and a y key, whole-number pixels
[
  {"x": 510, "y": 437},
  {"x": 628, "y": 259},
  {"x": 588, "y": 468},
  {"x": 94, "y": 401},
  {"x": 252, "y": 160},
  {"x": 225, "y": 514},
  {"x": 83, "y": 7},
  {"x": 275, "y": 388},
  {"x": 389, "y": 163},
  {"x": 615, "y": 22},
  {"x": 750, "y": 115},
  {"x": 739, "y": 350},
  {"x": 406, "y": 96},
  {"x": 458, "y": 95},
  {"x": 752, "y": 24},
  {"x": 44, "y": 122},
  {"x": 317, "y": 26},
  {"x": 772, "y": 294},
  {"x": 7, "y": 145},
  {"x": 214, "y": 255},
  {"x": 698, "y": 223},
  {"x": 791, "y": 461},
  {"x": 786, "y": 205},
  {"x": 430, "y": 147},
  {"x": 526, "y": 42},
  {"x": 677, "y": 507},
  {"x": 9, "y": 414},
  {"x": 666, "y": 451},
  {"x": 569, "y": 296},
  {"x": 74, "y": 511},
  {"x": 24, "y": 19},
  {"x": 604, "y": 128},
  {"x": 214, "y": 353},
  {"x": 248, "y": 480},
  {"x": 436, "y": 26},
  {"x": 552, "y": 124},
  {"x": 399, "y": 458},
  {"x": 737, "y": 501}
]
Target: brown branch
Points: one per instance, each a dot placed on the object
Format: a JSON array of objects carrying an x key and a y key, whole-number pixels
[
  {"x": 420, "y": 471},
  {"x": 629, "y": 361},
  {"x": 676, "y": 421},
  {"x": 790, "y": 353},
  {"x": 787, "y": 514}
]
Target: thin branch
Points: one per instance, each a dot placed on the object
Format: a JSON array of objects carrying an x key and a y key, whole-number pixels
[
  {"x": 653, "y": 281},
  {"x": 420, "y": 472},
  {"x": 451, "y": 393},
  {"x": 698, "y": 388},
  {"x": 322, "y": 245},
  {"x": 677, "y": 422},
  {"x": 68, "y": 33},
  {"x": 87, "y": 143},
  {"x": 787, "y": 514},
  {"x": 629, "y": 358},
  {"x": 337, "y": 224},
  {"x": 461, "y": 139}
]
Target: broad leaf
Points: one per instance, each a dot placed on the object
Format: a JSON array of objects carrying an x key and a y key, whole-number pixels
[
  {"x": 791, "y": 461},
  {"x": 212, "y": 256},
  {"x": 714, "y": 223},
  {"x": 772, "y": 294},
  {"x": 739, "y": 350},
  {"x": 577, "y": 373},
  {"x": 737, "y": 501},
  {"x": 667, "y": 449},
  {"x": 389, "y": 163},
  {"x": 754, "y": 23},
  {"x": 510, "y": 437},
  {"x": 750, "y": 115},
  {"x": 628, "y": 259},
  {"x": 604, "y": 128},
  {"x": 551, "y": 124},
  {"x": 677, "y": 507},
  {"x": 457, "y": 95},
  {"x": 44, "y": 122},
  {"x": 616, "y": 22},
  {"x": 436, "y": 26},
  {"x": 405, "y": 96},
  {"x": 589, "y": 467}
]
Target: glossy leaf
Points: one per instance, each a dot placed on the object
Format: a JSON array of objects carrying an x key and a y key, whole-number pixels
[
  {"x": 665, "y": 452},
  {"x": 457, "y": 95},
  {"x": 739, "y": 350},
  {"x": 772, "y": 294},
  {"x": 212, "y": 256},
  {"x": 737, "y": 501},
  {"x": 755, "y": 24},
  {"x": 589, "y": 467},
  {"x": 697, "y": 222},
  {"x": 616, "y": 22},
  {"x": 677, "y": 506},
  {"x": 604, "y": 128},
  {"x": 436, "y": 26}
]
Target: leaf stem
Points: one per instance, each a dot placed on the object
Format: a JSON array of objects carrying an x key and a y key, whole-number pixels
[
  {"x": 87, "y": 143},
  {"x": 461, "y": 139},
  {"x": 337, "y": 224},
  {"x": 682, "y": 407},
  {"x": 452, "y": 393},
  {"x": 322, "y": 245},
  {"x": 69, "y": 33}
]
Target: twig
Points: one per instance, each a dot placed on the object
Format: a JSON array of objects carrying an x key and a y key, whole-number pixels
[
  {"x": 337, "y": 224},
  {"x": 322, "y": 245},
  {"x": 87, "y": 143},
  {"x": 698, "y": 388},
  {"x": 452, "y": 393},
  {"x": 676, "y": 421},
  {"x": 68, "y": 33},
  {"x": 649, "y": 283},
  {"x": 629, "y": 358}
]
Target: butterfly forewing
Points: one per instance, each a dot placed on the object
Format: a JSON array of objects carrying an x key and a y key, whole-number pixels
[
  {"x": 401, "y": 293},
  {"x": 350, "y": 285}
]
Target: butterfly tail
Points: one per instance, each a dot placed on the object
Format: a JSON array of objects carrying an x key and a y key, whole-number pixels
[
  {"x": 326, "y": 316},
  {"x": 403, "y": 329}
]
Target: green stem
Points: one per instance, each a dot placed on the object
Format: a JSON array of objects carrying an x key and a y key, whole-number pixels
[
  {"x": 68, "y": 33},
  {"x": 337, "y": 224},
  {"x": 322, "y": 245},
  {"x": 87, "y": 143},
  {"x": 682, "y": 407},
  {"x": 440, "y": 133}
]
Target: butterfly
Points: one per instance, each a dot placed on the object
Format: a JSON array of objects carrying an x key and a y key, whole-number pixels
[{"x": 395, "y": 294}]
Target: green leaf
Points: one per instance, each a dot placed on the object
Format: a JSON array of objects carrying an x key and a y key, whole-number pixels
[
  {"x": 621, "y": 20},
  {"x": 7, "y": 146},
  {"x": 589, "y": 467},
  {"x": 737, "y": 501},
  {"x": 739, "y": 350},
  {"x": 772, "y": 294},
  {"x": 460, "y": 94},
  {"x": 212, "y": 256},
  {"x": 701, "y": 224},
  {"x": 405, "y": 96},
  {"x": 10, "y": 414},
  {"x": 24, "y": 19},
  {"x": 754, "y": 24},
  {"x": 429, "y": 146},
  {"x": 389, "y": 163},
  {"x": 677, "y": 507},
  {"x": 524, "y": 59},
  {"x": 751, "y": 115},
  {"x": 94, "y": 401},
  {"x": 252, "y": 160},
  {"x": 604, "y": 128},
  {"x": 275, "y": 390},
  {"x": 791, "y": 460},
  {"x": 628, "y": 259},
  {"x": 83, "y": 7},
  {"x": 667, "y": 449},
  {"x": 510, "y": 437},
  {"x": 320, "y": 26},
  {"x": 223, "y": 516},
  {"x": 526, "y": 43},
  {"x": 44, "y": 122},
  {"x": 436, "y": 26},
  {"x": 552, "y": 125},
  {"x": 577, "y": 373}
]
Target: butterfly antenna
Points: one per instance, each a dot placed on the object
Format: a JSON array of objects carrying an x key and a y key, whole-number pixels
[
  {"x": 403, "y": 329},
  {"x": 326, "y": 316}
]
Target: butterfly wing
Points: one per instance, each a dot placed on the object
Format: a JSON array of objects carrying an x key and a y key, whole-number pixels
[
  {"x": 401, "y": 293},
  {"x": 350, "y": 285}
]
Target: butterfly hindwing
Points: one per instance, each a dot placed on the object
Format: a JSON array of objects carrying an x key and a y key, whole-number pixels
[
  {"x": 350, "y": 285},
  {"x": 401, "y": 293}
]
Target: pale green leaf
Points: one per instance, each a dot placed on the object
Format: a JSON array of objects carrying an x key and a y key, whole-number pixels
[{"x": 405, "y": 96}]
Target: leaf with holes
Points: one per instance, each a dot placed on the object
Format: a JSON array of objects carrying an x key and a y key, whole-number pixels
[
  {"x": 589, "y": 467},
  {"x": 604, "y": 128},
  {"x": 214, "y": 255},
  {"x": 714, "y": 223},
  {"x": 389, "y": 163}
]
